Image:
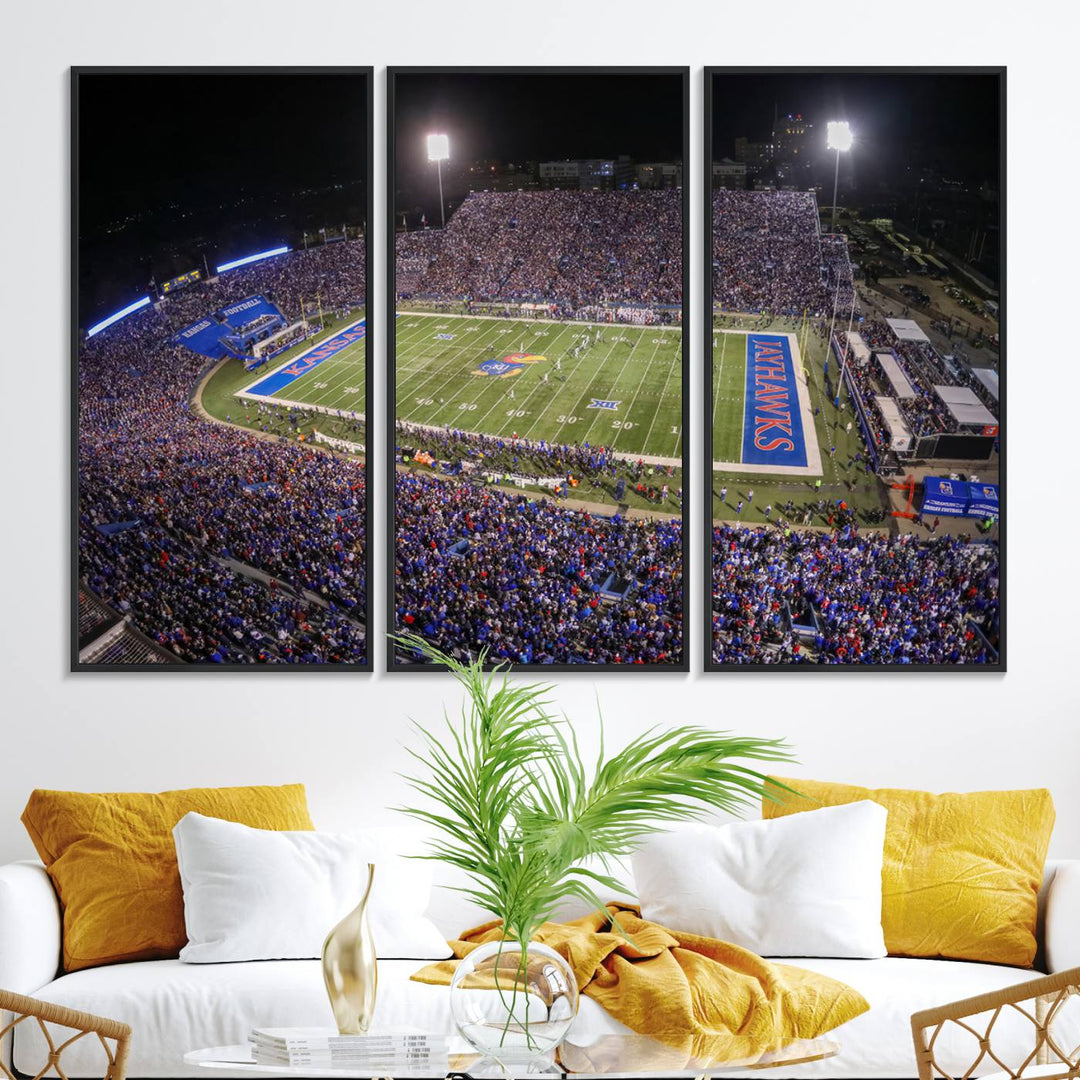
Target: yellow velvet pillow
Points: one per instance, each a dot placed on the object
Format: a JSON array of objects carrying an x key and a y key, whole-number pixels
[
  {"x": 113, "y": 863},
  {"x": 961, "y": 872}
]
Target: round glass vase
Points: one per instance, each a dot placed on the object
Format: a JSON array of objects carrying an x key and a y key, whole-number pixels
[{"x": 514, "y": 1004}]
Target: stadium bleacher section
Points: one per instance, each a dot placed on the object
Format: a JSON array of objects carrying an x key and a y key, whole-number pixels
[
  {"x": 106, "y": 637},
  {"x": 573, "y": 249},
  {"x": 522, "y": 576},
  {"x": 207, "y": 543},
  {"x": 873, "y": 599},
  {"x": 769, "y": 255},
  {"x": 333, "y": 274},
  {"x": 918, "y": 369},
  {"x": 235, "y": 549}
]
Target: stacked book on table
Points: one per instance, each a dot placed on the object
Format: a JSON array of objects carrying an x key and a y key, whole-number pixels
[{"x": 399, "y": 1050}]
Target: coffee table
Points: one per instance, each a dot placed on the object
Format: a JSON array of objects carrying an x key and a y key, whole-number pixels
[{"x": 627, "y": 1056}]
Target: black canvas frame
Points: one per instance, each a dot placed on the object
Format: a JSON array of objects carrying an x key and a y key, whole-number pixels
[
  {"x": 368, "y": 75},
  {"x": 590, "y": 669},
  {"x": 707, "y": 397}
]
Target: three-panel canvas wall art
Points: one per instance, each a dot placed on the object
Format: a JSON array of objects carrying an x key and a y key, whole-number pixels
[{"x": 547, "y": 484}]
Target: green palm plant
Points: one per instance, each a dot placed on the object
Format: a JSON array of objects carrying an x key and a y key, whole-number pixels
[{"x": 518, "y": 810}]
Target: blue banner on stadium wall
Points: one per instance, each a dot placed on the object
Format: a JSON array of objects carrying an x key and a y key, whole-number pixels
[
  {"x": 982, "y": 500},
  {"x": 772, "y": 421},
  {"x": 203, "y": 337},
  {"x": 245, "y": 311},
  {"x": 948, "y": 497}
]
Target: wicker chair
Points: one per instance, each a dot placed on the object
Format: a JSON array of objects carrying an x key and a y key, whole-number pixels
[
  {"x": 83, "y": 1024},
  {"x": 1040, "y": 1002}
]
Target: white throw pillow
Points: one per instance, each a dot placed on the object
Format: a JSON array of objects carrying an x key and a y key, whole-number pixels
[
  {"x": 804, "y": 885},
  {"x": 259, "y": 894}
]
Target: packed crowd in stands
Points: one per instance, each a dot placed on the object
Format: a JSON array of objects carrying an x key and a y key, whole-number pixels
[
  {"x": 332, "y": 275},
  {"x": 634, "y": 316},
  {"x": 415, "y": 252},
  {"x": 476, "y": 567},
  {"x": 768, "y": 253},
  {"x": 878, "y": 599},
  {"x": 868, "y": 391},
  {"x": 839, "y": 277},
  {"x": 224, "y": 546},
  {"x": 221, "y": 546},
  {"x": 575, "y": 249},
  {"x": 924, "y": 414}
]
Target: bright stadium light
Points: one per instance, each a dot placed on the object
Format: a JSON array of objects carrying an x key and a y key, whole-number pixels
[
  {"x": 438, "y": 150},
  {"x": 116, "y": 316},
  {"x": 838, "y": 137},
  {"x": 252, "y": 258}
]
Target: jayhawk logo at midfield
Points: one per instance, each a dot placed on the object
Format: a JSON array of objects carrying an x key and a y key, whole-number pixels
[{"x": 508, "y": 366}]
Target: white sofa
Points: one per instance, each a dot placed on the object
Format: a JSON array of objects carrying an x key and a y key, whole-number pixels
[{"x": 175, "y": 1007}]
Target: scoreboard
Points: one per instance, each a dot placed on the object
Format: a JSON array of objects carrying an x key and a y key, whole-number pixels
[{"x": 180, "y": 282}]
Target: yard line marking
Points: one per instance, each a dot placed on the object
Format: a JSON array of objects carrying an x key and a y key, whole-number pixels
[
  {"x": 719, "y": 380},
  {"x": 405, "y": 340},
  {"x": 633, "y": 349},
  {"x": 671, "y": 367},
  {"x": 325, "y": 371},
  {"x": 433, "y": 373},
  {"x": 336, "y": 377},
  {"x": 474, "y": 389},
  {"x": 423, "y": 363},
  {"x": 286, "y": 361},
  {"x": 553, "y": 404},
  {"x": 488, "y": 388},
  {"x": 460, "y": 393},
  {"x": 577, "y": 410},
  {"x": 431, "y": 366},
  {"x": 644, "y": 375}
]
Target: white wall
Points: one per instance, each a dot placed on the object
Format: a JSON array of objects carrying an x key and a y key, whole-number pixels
[{"x": 341, "y": 734}]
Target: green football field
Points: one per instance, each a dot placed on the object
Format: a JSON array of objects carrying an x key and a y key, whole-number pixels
[
  {"x": 623, "y": 392},
  {"x": 729, "y": 395}
]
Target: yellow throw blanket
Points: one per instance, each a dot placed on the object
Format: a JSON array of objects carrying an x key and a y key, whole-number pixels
[{"x": 707, "y": 999}]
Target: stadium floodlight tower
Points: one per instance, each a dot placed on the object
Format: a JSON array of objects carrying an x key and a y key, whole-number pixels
[
  {"x": 838, "y": 138},
  {"x": 438, "y": 150}
]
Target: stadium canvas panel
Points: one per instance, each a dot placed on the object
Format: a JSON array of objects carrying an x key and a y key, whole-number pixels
[
  {"x": 854, "y": 442},
  {"x": 537, "y": 366},
  {"x": 219, "y": 484}
]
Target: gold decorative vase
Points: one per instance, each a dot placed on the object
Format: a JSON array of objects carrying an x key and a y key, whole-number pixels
[{"x": 349, "y": 968}]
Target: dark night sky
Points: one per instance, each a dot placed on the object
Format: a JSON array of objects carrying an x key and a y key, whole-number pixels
[
  {"x": 539, "y": 117},
  {"x": 948, "y": 121},
  {"x": 212, "y": 162}
]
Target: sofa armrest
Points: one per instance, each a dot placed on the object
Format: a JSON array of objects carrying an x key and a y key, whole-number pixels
[
  {"x": 29, "y": 928},
  {"x": 1063, "y": 917}
]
